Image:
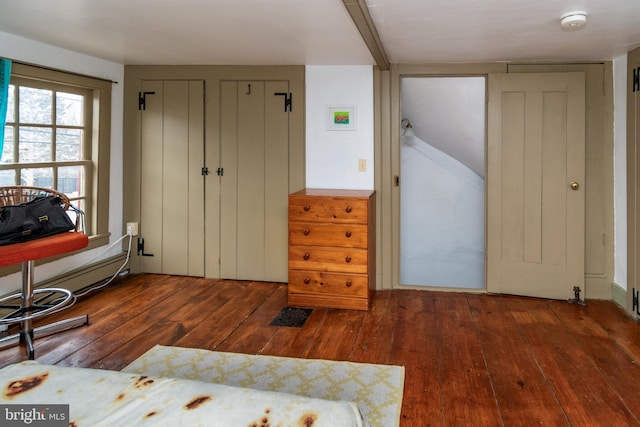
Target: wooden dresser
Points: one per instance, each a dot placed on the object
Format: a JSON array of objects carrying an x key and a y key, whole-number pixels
[{"x": 332, "y": 248}]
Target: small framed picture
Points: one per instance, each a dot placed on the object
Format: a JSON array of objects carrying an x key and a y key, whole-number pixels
[{"x": 341, "y": 117}]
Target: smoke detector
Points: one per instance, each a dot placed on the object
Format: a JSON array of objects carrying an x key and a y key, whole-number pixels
[{"x": 573, "y": 21}]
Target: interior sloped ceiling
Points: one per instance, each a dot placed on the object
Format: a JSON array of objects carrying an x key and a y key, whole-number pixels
[{"x": 448, "y": 114}]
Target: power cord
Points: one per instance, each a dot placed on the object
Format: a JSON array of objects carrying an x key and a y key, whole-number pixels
[
  {"x": 75, "y": 296},
  {"x": 111, "y": 279}
]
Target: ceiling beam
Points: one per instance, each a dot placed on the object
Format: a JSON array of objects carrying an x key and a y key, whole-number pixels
[{"x": 360, "y": 14}]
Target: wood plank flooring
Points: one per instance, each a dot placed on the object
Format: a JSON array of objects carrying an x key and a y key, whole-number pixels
[{"x": 470, "y": 359}]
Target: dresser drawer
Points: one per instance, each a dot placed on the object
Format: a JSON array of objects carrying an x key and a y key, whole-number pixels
[
  {"x": 335, "y": 210},
  {"x": 321, "y": 283},
  {"x": 345, "y": 260},
  {"x": 322, "y": 234}
]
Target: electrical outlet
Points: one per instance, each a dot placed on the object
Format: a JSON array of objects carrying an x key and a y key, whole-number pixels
[
  {"x": 132, "y": 228},
  {"x": 362, "y": 165}
]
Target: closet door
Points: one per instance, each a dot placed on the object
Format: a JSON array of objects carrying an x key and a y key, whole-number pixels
[
  {"x": 254, "y": 129},
  {"x": 172, "y": 184},
  {"x": 535, "y": 176},
  {"x": 633, "y": 183}
]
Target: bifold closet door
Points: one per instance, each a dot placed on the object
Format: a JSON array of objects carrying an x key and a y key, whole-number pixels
[
  {"x": 172, "y": 184},
  {"x": 254, "y": 186}
]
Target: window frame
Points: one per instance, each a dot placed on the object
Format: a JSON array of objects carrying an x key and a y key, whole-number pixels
[
  {"x": 86, "y": 162},
  {"x": 98, "y": 149}
]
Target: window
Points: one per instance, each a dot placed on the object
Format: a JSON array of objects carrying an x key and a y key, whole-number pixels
[
  {"x": 48, "y": 138},
  {"x": 56, "y": 136}
]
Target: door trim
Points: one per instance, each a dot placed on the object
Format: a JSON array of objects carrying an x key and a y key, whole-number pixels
[{"x": 387, "y": 149}]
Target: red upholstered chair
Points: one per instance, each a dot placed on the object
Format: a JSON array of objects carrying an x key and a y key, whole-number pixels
[{"x": 28, "y": 304}]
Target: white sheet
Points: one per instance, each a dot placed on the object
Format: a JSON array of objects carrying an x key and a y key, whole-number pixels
[{"x": 109, "y": 398}]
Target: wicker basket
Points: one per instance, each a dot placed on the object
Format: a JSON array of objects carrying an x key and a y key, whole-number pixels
[{"x": 22, "y": 194}]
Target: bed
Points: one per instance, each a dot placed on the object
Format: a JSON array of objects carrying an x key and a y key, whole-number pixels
[{"x": 110, "y": 398}]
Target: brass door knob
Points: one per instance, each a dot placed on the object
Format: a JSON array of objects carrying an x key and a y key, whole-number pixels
[{"x": 574, "y": 185}]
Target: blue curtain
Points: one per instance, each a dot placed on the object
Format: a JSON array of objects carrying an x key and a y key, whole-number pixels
[{"x": 5, "y": 76}]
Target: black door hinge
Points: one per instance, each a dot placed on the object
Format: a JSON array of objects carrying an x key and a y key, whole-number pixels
[
  {"x": 141, "y": 247},
  {"x": 142, "y": 99},
  {"x": 220, "y": 171},
  {"x": 288, "y": 98},
  {"x": 635, "y": 298},
  {"x": 205, "y": 171}
]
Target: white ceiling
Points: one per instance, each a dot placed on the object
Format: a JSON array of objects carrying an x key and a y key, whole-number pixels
[
  {"x": 504, "y": 30},
  {"x": 321, "y": 32},
  {"x": 247, "y": 32}
]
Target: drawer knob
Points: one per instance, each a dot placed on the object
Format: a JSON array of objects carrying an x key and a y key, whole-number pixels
[
  {"x": 306, "y": 231},
  {"x": 348, "y": 209},
  {"x": 348, "y": 283},
  {"x": 348, "y": 258},
  {"x": 306, "y": 256},
  {"x": 306, "y": 207},
  {"x": 348, "y": 234},
  {"x": 307, "y": 280}
]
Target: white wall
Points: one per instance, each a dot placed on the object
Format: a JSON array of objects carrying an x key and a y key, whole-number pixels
[
  {"x": 332, "y": 155},
  {"x": 620, "y": 169},
  {"x": 441, "y": 218},
  {"x": 28, "y": 51}
]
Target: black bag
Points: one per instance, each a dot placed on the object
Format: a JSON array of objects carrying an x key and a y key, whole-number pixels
[{"x": 41, "y": 217}]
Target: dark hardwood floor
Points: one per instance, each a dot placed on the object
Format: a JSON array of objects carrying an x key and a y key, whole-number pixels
[{"x": 470, "y": 359}]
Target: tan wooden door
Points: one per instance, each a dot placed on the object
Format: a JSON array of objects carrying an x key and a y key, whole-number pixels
[
  {"x": 172, "y": 185},
  {"x": 535, "y": 178},
  {"x": 633, "y": 182},
  {"x": 254, "y": 156}
]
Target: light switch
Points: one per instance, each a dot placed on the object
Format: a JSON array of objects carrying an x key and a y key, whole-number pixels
[{"x": 362, "y": 165}]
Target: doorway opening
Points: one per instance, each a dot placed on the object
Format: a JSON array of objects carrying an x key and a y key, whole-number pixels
[{"x": 442, "y": 197}]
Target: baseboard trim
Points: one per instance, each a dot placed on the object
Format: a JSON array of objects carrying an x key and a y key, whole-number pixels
[
  {"x": 619, "y": 295},
  {"x": 86, "y": 276}
]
